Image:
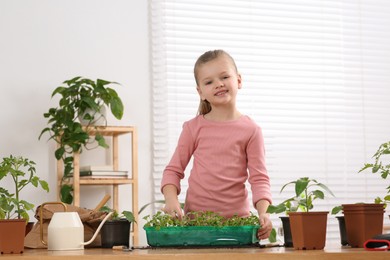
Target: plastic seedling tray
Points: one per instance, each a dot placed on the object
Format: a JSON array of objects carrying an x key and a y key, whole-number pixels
[{"x": 201, "y": 236}]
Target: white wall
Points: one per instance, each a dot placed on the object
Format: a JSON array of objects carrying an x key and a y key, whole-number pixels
[{"x": 45, "y": 42}]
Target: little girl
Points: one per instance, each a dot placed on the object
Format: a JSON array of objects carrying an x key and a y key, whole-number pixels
[{"x": 227, "y": 149}]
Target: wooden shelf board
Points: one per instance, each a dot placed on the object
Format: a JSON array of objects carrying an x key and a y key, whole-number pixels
[
  {"x": 104, "y": 181},
  {"x": 110, "y": 130}
]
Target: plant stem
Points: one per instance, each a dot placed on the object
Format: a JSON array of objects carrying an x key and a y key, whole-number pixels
[
  {"x": 307, "y": 200},
  {"x": 15, "y": 177}
]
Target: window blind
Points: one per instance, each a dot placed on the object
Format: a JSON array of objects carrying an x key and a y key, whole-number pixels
[{"x": 315, "y": 78}]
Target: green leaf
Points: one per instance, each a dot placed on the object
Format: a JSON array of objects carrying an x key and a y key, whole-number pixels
[
  {"x": 117, "y": 108},
  {"x": 375, "y": 168},
  {"x": 301, "y": 185},
  {"x": 91, "y": 103},
  {"x": 366, "y": 166},
  {"x": 101, "y": 82},
  {"x": 101, "y": 141},
  {"x": 71, "y": 81},
  {"x": 47, "y": 129},
  {"x": 336, "y": 210},
  {"x": 59, "y": 153},
  {"x": 34, "y": 181},
  {"x": 385, "y": 174},
  {"x": 106, "y": 209},
  {"x": 276, "y": 209},
  {"x": 129, "y": 216},
  {"x": 58, "y": 90},
  {"x": 44, "y": 185},
  {"x": 27, "y": 205},
  {"x": 272, "y": 237},
  {"x": 66, "y": 193},
  {"x": 318, "y": 194}
]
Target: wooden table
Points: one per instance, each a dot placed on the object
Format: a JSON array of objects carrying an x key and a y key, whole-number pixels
[{"x": 336, "y": 252}]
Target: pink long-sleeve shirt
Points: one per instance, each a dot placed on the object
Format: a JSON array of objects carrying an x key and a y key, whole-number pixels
[{"x": 225, "y": 155}]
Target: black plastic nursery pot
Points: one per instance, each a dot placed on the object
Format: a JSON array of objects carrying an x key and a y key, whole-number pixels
[
  {"x": 288, "y": 242},
  {"x": 115, "y": 233},
  {"x": 343, "y": 231}
]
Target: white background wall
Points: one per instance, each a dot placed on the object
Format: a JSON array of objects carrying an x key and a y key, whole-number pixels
[{"x": 43, "y": 43}]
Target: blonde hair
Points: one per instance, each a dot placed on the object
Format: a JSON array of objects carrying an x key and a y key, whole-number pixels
[{"x": 204, "y": 105}]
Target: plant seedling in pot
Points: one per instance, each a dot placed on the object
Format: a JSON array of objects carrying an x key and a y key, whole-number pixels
[
  {"x": 22, "y": 172},
  {"x": 306, "y": 192}
]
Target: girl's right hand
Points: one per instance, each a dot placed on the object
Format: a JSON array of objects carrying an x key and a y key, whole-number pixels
[
  {"x": 172, "y": 205},
  {"x": 173, "y": 208}
]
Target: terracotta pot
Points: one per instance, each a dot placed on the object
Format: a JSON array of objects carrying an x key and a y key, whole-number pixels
[
  {"x": 12, "y": 232},
  {"x": 343, "y": 230},
  {"x": 308, "y": 229},
  {"x": 288, "y": 242},
  {"x": 363, "y": 221}
]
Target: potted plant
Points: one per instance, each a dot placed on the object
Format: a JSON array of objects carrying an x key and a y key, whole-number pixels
[
  {"x": 302, "y": 219},
  {"x": 82, "y": 99},
  {"x": 200, "y": 229},
  {"x": 116, "y": 230},
  {"x": 365, "y": 220},
  {"x": 14, "y": 209},
  {"x": 359, "y": 222}
]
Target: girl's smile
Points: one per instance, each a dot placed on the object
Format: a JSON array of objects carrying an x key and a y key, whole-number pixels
[{"x": 220, "y": 93}]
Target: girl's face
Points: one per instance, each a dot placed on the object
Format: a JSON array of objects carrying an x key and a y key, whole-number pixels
[{"x": 218, "y": 82}]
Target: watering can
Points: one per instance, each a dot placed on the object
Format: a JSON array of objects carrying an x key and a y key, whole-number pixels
[{"x": 65, "y": 230}]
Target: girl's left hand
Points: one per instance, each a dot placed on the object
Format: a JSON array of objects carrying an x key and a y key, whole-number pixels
[{"x": 265, "y": 226}]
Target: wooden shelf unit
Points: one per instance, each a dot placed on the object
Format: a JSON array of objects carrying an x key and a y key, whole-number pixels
[{"x": 76, "y": 181}]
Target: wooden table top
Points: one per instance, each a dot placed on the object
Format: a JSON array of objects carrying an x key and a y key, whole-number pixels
[{"x": 336, "y": 252}]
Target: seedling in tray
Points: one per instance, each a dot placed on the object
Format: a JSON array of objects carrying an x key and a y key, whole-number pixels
[{"x": 207, "y": 218}]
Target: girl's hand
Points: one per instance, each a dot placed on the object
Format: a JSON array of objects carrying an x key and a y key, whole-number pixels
[
  {"x": 172, "y": 205},
  {"x": 173, "y": 208},
  {"x": 265, "y": 226}
]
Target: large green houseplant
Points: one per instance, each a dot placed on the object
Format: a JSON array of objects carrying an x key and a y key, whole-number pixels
[
  {"x": 81, "y": 99},
  {"x": 13, "y": 208},
  {"x": 301, "y": 217}
]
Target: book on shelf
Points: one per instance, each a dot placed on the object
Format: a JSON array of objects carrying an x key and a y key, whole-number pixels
[
  {"x": 85, "y": 168},
  {"x": 103, "y": 173}
]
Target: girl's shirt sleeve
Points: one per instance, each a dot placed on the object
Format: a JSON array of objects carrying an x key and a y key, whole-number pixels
[
  {"x": 174, "y": 171},
  {"x": 258, "y": 176}
]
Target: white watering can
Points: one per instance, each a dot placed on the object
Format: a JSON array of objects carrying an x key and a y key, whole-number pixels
[{"x": 66, "y": 231}]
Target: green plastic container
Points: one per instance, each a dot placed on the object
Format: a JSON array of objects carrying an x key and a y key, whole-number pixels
[{"x": 201, "y": 236}]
